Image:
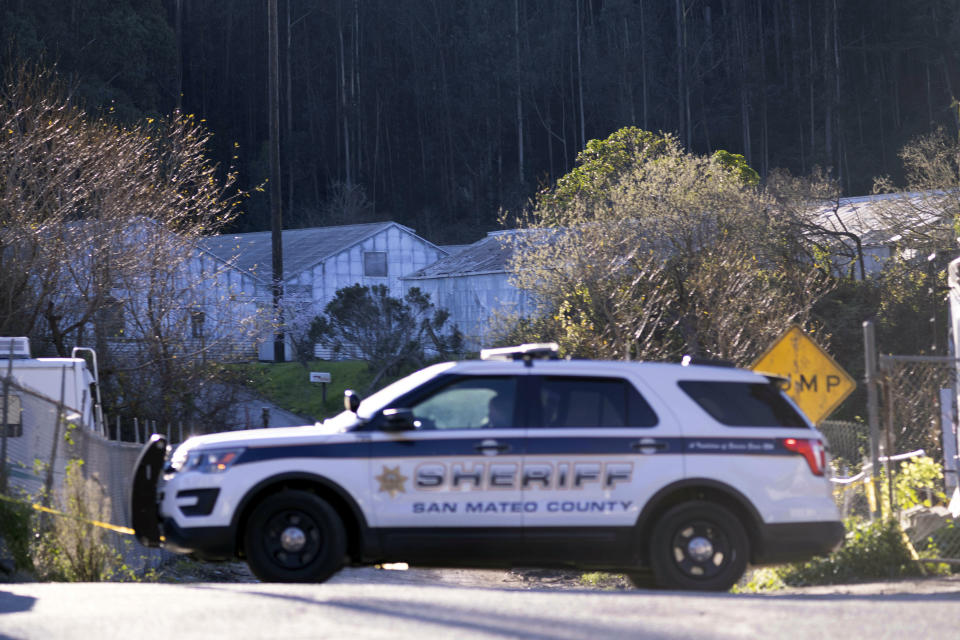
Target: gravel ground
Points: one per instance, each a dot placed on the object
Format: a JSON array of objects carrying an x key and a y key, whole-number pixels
[{"x": 186, "y": 570}]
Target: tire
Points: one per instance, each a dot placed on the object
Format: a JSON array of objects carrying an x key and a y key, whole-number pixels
[
  {"x": 294, "y": 536},
  {"x": 698, "y": 546}
]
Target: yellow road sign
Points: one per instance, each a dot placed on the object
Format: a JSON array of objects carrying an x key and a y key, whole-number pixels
[{"x": 814, "y": 380}]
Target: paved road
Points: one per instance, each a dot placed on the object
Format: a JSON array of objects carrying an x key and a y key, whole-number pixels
[
  {"x": 396, "y": 609},
  {"x": 249, "y": 414}
]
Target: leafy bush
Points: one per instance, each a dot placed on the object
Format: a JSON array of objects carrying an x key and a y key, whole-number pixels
[
  {"x": 918, "y": 483},
  {"x": 68, "y": 548},
  {"x": 873, "y": 550},
  {"x": 15, "y": 533},
  {"x": 942, "y": 543},
  {"x": 385, "y": 332}
]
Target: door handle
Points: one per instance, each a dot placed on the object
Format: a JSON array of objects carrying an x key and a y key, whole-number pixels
[
  {"x": 649, "y": 445},
  {"x": 491, "y": 447}
]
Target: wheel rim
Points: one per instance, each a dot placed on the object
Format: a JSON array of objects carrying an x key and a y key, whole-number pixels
[
  {"x": 292, "y": 539},
  {"x": 701, "y": 550}
]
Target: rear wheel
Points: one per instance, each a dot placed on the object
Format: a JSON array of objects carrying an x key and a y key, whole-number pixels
[
  {"x": 698, "y": 545},
  {"x": 294, "y": 536}
]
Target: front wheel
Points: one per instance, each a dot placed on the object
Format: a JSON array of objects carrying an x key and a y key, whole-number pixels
[
  {"x": 700, "y": 546},
  {"x": 294, "y": 536}
]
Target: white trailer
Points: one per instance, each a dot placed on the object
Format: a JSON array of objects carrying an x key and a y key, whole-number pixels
[{"x": 69, "y": 381}]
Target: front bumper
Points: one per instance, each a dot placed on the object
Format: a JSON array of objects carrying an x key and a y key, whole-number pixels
[
  {"x": 796, "y": 541},
  {"x": 208, "y": 543}
]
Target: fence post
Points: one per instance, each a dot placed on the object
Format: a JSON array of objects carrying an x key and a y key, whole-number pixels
[
  {"x": 873, "y": 405},
  {"x": 949, "y": 436},
  {"x": 888, "y": 451},
  {"x": 6, "y": 410},
  {"x": 48, "y": 481}
]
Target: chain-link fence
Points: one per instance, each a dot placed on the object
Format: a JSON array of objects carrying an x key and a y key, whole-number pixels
[
  {"x": 911, "y": 403},
  {"x": 912, "y": 423},
  {"x": 41, "y": 440},
  {"x": 848, "y": 444}
]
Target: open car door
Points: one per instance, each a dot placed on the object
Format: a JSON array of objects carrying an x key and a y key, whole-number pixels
[{"x": 143, "y": 496}]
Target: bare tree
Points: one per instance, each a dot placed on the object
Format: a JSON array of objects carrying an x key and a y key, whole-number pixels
[
  {"x": 99, "y": 229},
  {"x": 926, "y": 215}
]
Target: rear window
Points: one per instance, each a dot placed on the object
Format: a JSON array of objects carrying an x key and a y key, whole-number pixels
[{"x": 743, "y": 404}]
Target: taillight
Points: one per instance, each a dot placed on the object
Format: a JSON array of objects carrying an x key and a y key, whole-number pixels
[{"x": 812, "y": 451}]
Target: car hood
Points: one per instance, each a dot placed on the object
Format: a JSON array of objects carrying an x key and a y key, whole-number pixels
[{"x": 264, "y": 437}]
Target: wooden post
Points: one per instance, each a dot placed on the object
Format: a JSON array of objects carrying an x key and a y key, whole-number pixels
[
  {"x": 276, "y": 218},
  {"x": 873, "y": 403}
]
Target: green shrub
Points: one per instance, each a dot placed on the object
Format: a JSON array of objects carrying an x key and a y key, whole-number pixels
[
  {"x": 918, "y": 483},
  {"x": 15, "y": 532},
  {"x": 872, "y": 551},
  {"x": 942, "y": 543},
  {"x": 68, "y": 547}
]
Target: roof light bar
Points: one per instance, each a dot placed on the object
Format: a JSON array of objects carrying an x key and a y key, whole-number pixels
[{"x": 527, "y": 352}]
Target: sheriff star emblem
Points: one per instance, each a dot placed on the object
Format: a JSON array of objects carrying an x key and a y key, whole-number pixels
[{"x": 391, "y": 481}]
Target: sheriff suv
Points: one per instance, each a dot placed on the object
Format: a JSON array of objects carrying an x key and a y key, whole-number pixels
[{"x": 680, "y": 473}]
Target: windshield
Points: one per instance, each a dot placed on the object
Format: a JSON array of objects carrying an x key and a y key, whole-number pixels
[{"x": 382, "y": 399}]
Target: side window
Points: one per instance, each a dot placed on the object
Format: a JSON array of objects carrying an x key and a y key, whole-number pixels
[
  {"x": 470, "y": 403},
  {"x": 593, "y": 402},
  {"x": 112, "y": 317},
  {"x": 375, "y": 264},
  {"x": 197, "y": 318},
  {"x": 12, "y": 426},
  {"x": 743, "y": 404}
]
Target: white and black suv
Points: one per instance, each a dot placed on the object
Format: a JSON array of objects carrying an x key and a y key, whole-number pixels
[{"x": 688, "y": 472}]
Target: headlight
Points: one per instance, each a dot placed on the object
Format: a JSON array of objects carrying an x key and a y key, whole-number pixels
[
  {"x": 211, "y": 460},
  {"x": 178, "y": 458}
]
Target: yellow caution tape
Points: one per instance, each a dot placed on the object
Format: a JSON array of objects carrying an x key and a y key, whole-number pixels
[
  {"x": 913, "y": 552},
  {"x": 871, "y": 495},
  {"x": 39, "y": 507}
]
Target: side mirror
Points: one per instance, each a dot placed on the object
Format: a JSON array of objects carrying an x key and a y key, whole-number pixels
[
  {"x": 398, "y": 420},
  {"x": 351, "y": 401}
]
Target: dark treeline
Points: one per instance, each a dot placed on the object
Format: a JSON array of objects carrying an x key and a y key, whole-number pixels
[{"x": 436, "y": 113}]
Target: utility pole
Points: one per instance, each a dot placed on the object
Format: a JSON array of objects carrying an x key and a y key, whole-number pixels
[
  {"x": 873, "y": 407},
  {"x": 276, "y": 218},
  {"x": 178, "y": 27}
]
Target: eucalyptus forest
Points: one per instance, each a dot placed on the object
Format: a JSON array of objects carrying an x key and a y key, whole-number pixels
[{"x": 440, "y": 113}]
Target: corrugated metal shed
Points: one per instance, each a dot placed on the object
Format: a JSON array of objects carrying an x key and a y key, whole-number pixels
[
  {"x": 877, "y": 220},
  {"x": 474, "y": 286},
  {"x": 317, "y": 262},
  {"x": 869, "y": 217},
  {"x": 302, "y": 248},
  {"x": 488, "y": 255}
]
